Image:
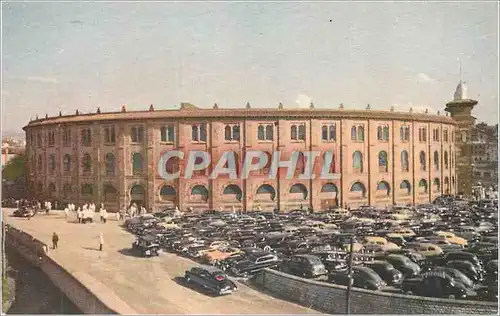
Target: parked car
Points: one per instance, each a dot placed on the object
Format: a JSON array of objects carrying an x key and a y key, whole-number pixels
[
  {"x": 363, "y": 277},
  {"x": 456, "y": 275},
  {"x": 307, "y": 266},
  {"x": 211, "y": 279},
  {"x": 387, "y": 272},
  {"x": 436, "y": 284},
  {"x": 467, "y": 268},
  {"x": 254, "y": 262},
  {"x": 403, "y": 264},
  {"x": 147, "y": 246}
]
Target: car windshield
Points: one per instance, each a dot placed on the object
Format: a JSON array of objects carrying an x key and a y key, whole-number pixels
[{"x": 315, "y": 260}]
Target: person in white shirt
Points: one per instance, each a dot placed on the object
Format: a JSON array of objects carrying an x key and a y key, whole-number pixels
[
  {"x": 104, "y": 214},
  {"x": 79, "y": 214}
]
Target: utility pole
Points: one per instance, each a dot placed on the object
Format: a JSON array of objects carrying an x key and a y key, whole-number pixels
[{"x": 349, "y": 276}]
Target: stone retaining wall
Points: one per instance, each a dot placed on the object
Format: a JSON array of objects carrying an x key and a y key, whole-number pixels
[
  {"x": 331, "y": 298},
  {"x": 91, "y": 296}
]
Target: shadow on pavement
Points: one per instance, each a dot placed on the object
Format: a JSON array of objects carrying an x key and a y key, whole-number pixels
[
  {"x": 182, "y": 282},
  {"x": 129, "y": 252}
]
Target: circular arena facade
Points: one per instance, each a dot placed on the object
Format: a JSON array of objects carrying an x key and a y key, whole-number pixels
[{"x": 382, "y": 157}]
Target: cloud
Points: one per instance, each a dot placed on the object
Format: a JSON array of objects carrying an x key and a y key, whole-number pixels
[
  {"x": 421, "y": 77},
  {"x": 42, "y": 79},
  {"x": 303, "y": 101}
]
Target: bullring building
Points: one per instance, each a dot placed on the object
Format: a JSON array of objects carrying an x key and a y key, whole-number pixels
[{"x": 383, "y": 157}]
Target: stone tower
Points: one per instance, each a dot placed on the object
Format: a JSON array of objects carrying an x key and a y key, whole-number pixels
[{"x": 460, "y": 110}]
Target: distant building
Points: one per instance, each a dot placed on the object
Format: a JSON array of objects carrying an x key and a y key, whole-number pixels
[
  {"x": 484, "y": 139},
  {"x": 9, "y": 152}
]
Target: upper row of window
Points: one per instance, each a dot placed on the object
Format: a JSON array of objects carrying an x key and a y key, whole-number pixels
[{"x": 265, "y": 132}]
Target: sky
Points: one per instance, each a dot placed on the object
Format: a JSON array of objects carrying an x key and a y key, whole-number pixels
[{"x": 69, "y": 56}]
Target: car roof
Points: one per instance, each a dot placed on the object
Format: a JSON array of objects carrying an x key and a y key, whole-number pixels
[{"x": 210, "y": 269}]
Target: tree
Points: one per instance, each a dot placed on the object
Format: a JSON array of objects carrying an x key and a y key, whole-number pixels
[
  {"x": 14, "y": 178},
  {"x": 15, "y": 169}
]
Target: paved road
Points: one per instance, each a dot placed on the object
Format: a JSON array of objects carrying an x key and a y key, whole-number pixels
[{"x": 148, "y": 285}]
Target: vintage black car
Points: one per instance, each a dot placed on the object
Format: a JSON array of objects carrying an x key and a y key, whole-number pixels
[
  {"x": 211, "y": 279},
  {"x": 254, "y": 262},
  {"x": 308, "y": 266},
  {"x": 22, "y": 212},
  {"x": 363, "y": 277},
  {"x": 436, "y": 284},
  {"x": 147, "y": 246},
  {"x": 387, "y": 272},
  {"x": 403, "y": 264}
]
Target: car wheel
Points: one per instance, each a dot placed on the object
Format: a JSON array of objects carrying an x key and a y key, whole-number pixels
[{"x": 451, "y": 297}]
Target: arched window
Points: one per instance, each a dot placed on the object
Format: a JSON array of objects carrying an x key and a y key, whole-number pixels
[
  {"x": 299, "y": 188},
  {"x": 359, "y": 187},
  {"x": 260, "y": 132},
  {"x": 379, "y": 133},
  {"x": 227, "y": 133},
  {"x": 354, "y": 133},
  {"x": 39, "y": 163},
  {"x": 436, "y": 160},
  {"x": 52, "y": 163},
  {"x": 293, "y": 132},
  {"x": 234, "y": 191},
  {"x": 302, "y": 132},
  {"x": 329, "y": 188},
  {"x": 52, "y": 190},
  {"x": 87, "y": 163},
  {"x": 110, "y": 162},
  {"x": 200, "y": 192},
  {"x": 269, "y": 132},
  {"x": 382, "y": 161},
  {"x": 67, "y": 162},
  {"x": 423, "y": 185},
  {"x": 138, "y": 194},
  {"x": 437, "y": 184},
  {"x": 447, "y": 185},
  {"x": 266, "y": 192},
  {"x": 203, "y": 132},
  {"x": 386, "y": 132},
  {"x": 405, "y": 186},
  {"x": 194, "y": 133},
  {"x": 357, "y": 161},
  {"x": 168, "y": 193},
  {"x": 137, "y": 163},
  {"x": 446, "y": 160},
  {"x": 67, "y": 190},
  {"x": 333, "y": 132},
  {"x": 422, "y": 160},
  {"x": 324, "y": 132},
  {"x": 110, "y": 193},
  {"x": 384, "y": 187},
  {"x": 87, "y": 190},
  {"x": 361, "y": 133},
  {"x": 405, "y": 165},
  {"x": 236, "y": 132}
]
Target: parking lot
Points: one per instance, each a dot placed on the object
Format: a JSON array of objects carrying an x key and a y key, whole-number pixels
[{"x": 148, "y": 285}]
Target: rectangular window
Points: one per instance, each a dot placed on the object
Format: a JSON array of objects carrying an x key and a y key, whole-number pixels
[
  {"x": 86, "y": 137},
  {"x": 137, "y": 134},
  {"x": 109, "y": 135},
  {"x": 329, "y": 132},
  {"x": 199, "y": 132},
  {"x": 167, "y": 134},
  {"x": 66, "y": 137},
  {"x": 265, "y": 132},
  {"x": 39, "y": 139}
]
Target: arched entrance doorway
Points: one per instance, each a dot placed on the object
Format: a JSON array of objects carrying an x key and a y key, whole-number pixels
[{"x": 138, "y": 196}]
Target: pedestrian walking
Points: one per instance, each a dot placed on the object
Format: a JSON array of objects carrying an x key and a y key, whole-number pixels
[
  {"x": 55, "y": 240},
  {"x": 30, "y": 213},
  {"x": 79, "y": 215},
  {"x": 101, "y": 241}
]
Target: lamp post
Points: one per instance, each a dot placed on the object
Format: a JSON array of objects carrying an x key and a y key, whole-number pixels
[{"x": 349, "y": 276}]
